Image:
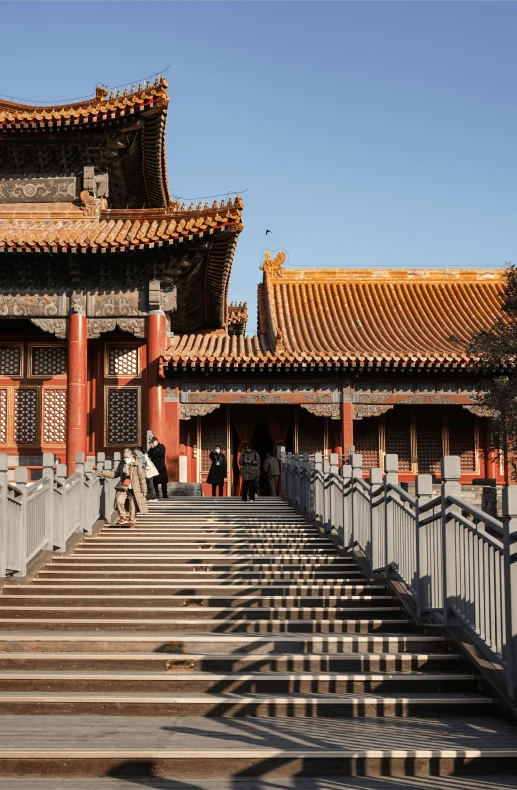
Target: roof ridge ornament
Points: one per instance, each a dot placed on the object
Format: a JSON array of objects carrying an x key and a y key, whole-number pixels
[{"x": 273, "y": 266}]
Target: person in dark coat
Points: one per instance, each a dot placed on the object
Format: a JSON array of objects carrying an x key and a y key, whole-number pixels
[
  {"x": 156, "y": 453},
  {"x": 272, "y": 473},
  {"x": 249, "y": 463},
  {"x": 217, "y": 473}
]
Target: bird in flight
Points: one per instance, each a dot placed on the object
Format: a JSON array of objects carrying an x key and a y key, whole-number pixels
[{"x": 268, "y": 231}]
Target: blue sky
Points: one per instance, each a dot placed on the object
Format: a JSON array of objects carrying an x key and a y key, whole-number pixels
[{"x": 365, "y": 133}]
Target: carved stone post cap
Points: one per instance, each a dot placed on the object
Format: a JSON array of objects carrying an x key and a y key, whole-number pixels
[
  {"x": 424, "y": 485},
  {"x": 21, "y": 475},
  {"x": 306, "y": 458},
  {"x": 346, "y": 471},
  {"x": 318, "y": 458},
  {"x": 4, "y": 462},
  {"x": 117, "y": 456},
  {"x": 79, "y": 458},
  {"x": 61, "y": 471},
  {"x": 450, "y": 467},
  {"x": 88, "y": 467},
  {"x": 391, "y": 462},
  {"x": 510, "y": 501},
  {"x": 357, "y": 461},
  {"x": 334, "y": 459},
  {"x": 48, "y": 460},
  {"x": 376, "y": 476},
  {"x": 101, "y": 457}
]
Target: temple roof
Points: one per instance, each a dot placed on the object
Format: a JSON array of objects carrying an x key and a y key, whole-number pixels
[
  {"x": 121, "y": 134},
  {"x": 92, "y": 226},
  {"x": 356, "y": 319}
]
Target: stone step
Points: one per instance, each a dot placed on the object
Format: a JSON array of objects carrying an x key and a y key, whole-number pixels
[
  {"x": 200, "y": 573},
  {"x": 281, "y": 754},
  {"x": 260, "y": 705},
  {"x": 193, "y": 550},
  {"x": 115, "y": 598},
  {"x": 303, "y": 644},
  {"x": 158, "y": 560},
  {"x": 100, "y": 621},
  {"x": 227, "y": 592},
  {"x": 189, "y": 611},
  {"x": 179, "y": 682},
  {"x": 233, "y": 662}
]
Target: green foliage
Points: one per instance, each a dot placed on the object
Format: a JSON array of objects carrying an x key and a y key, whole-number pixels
[{"x": 496, "y": 349}]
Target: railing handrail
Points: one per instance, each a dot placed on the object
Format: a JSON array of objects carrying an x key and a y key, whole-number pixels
[{"x": 449, "y": 553}]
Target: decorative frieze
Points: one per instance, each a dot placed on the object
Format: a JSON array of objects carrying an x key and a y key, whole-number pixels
[
  {"x": 479, "y": 411},
  {"x": 413, "y": 400},
  {"x": 373, "y": 398},
  {"x": 64, "y": 189},
  {"x": 57, "y": 326},
  {"x": 320, "y": 398},
  {"x": 54, "y": 416},
  {"x": 370, "y": 410},
  {"x": 331, "y": 410},
  {"x": 135, "y": 326},
  {"x": 21, "y": 305},
  {"x": 188, "y": 410}
]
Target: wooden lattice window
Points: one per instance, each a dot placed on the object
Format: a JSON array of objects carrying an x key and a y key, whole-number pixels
[
  {"x": 429, "y": 439},
  {"x": 462, "y": 440},
  {"x": 25, "y": 416},
  {"x": 54, "y": 416},
  {"x": 213, "y": 434},
  {"x": 123, "y": 361},
  {"x": 398, "y": 435},
  {"x": 122, "y": 413},
  {"x": 10, "y": 361},
  {"x": 3, "y": 416},
  {"x": 366, "y": 441},
  {"x": 311, "y": 433},
  {"x": 48, "y": 361}
]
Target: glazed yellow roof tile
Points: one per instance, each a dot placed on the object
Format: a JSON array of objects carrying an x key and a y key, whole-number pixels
[
  {"x": 68, "y": 228},
  {"x": 357, "y": 319},
  {"x": 104, "y": 103}
]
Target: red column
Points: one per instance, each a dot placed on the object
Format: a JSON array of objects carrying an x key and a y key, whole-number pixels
[
  {"x": 171, "y": 439},
  {"x": 77, "y": 388},
  {"x": 347, "y": 422},
  {"x": 155, "y": 393}
]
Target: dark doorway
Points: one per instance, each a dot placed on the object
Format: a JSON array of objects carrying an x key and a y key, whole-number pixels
[{"x": 261, "y": 440}]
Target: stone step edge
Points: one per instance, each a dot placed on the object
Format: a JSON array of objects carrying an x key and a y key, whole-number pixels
[
  {"x": 235, "y": 676},
  {"x": 179, "y": 636},
  {"x": 188, "y": 698},
  {"x": 224, "y": 656}
]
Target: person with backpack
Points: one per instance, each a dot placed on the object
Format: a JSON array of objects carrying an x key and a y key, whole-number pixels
[
  {"x": 272, "y": 473},
  {"x": 131, "y": 488},
  {"x": 249, "y": 463}
]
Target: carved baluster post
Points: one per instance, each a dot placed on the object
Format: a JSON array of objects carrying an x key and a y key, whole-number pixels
[
  {"x": 376, "y": 538},
  {"x": 510, "y": 585},
  {"x": 77, "y": 386},
  {"x": 451, "y": 471},
  {"x": 48, "y": 473},
  {"x": 391, "y": 467},
  {"x": 4, "y": 462},
  {"x": 425, "y": 583}
]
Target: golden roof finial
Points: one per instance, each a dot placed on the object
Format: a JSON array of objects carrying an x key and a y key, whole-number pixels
[
  {"x": 100, "y": 93},
  {"x": 273, "y": 266}
]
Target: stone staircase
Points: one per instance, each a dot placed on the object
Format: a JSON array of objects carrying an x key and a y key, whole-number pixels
[{"x": 224, "y": 639}]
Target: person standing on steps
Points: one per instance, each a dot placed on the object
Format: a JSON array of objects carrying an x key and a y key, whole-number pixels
[
  {"x": 272, "y": 473},
  {"x": 150, "y": 471},
  {"x": 217, "y": 473},
  {"x": 156, "y": 453},
  {"x": 131, "y": 488},
  {"x": 249, "y": 463}
]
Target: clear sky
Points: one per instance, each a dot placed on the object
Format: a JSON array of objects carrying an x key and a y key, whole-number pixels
[{"x": 365, "y": 133}]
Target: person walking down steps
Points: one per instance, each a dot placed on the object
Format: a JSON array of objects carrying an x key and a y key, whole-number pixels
[
  {"x": 249, "y": 463},
  {"x": 217, "y": 473},
  {"x": 272, "y": 473},
  {"x": 131, "y": 488},
  {"x": 156, "y": 453}
]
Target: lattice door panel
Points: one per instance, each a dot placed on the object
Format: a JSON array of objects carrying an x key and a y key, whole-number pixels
[
  {"x": 3, "y": 416},
  {"x": 25, "y": 416},
  {"x": 462, "y": 440},
  {"x": 54, "y": 416},
  {"x": 48, "y": 361},
  {"x": 397, "y": 423},
  {"x": 366, "y": 441},
  {"x": 311, "y": 433},
  {"x": 122, "y": 416},
  {"x": 123, "y": 361},
  {"x": 10, "y": 361},
  {"x": 429, "y": 439},
  {"x": 213, "y": 434}
]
